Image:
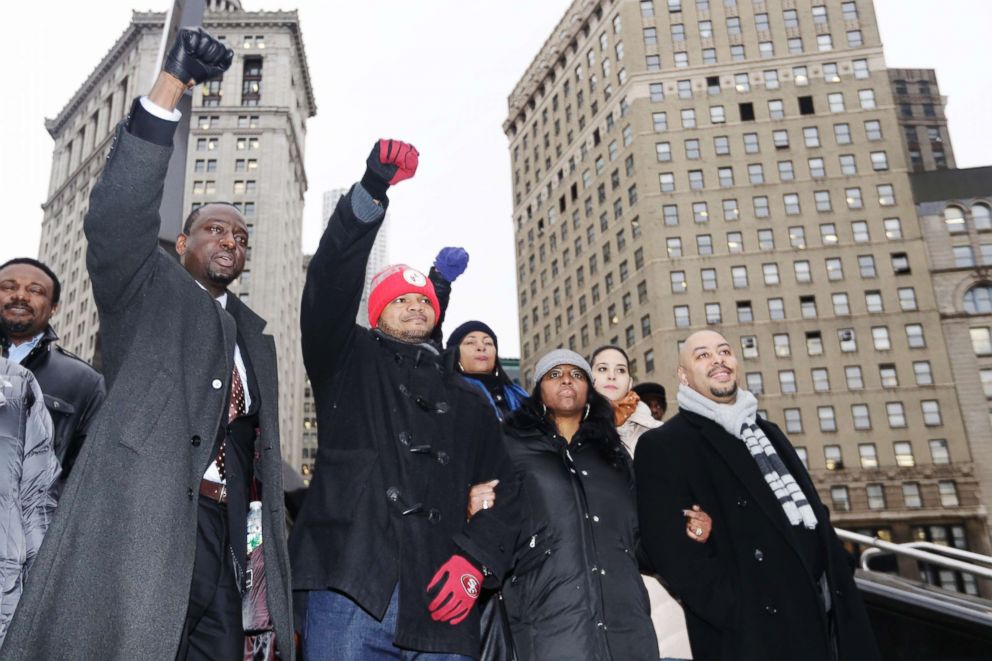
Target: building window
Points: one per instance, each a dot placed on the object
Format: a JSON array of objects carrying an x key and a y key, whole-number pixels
[
  {"x": 839, "y": 499},
  {"x": 876, "y": 496},
  {"x": 754, "y": 382},
  {"x": 251, "y": 85},
  {"x": 840, "y": 303},
  {"x": 831, "y": 453},
  {"x": 862, "y": 421},
  {"x": 852, "y": 374},
  {"x": 915, "y": 337},
  {"x": 939, "y": 453},
  {"x": 738, "y": 275},
  {"x": 821, "y": 379},
  {"x": 787, "y": 382},
  {"x": 847, "y": 339},
  {"x": 931, "y": 412},
  {"x": 896, "y": 414},
  {"x": 904, "y": 454},
  {"x": 211, "y": 93},
  {"x": 911, "y": 495},
  {"x": 981, "y": 341},
  {"x": 948, "y": 491},
  {"x": 776, "y": 308},
  {"x": 842, "y": 134},
  {"x": 793, "y": 421},
  {"x": 761, "y": 210},
  {"x": 835, "y": 269},
  {"x": 681, "y": 313},
  {"x": 978, "y": 299},
  {"x": 749, "y": 346}
]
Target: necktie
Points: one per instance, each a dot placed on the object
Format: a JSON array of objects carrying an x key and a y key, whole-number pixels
[{"x": 235, "y": 408}]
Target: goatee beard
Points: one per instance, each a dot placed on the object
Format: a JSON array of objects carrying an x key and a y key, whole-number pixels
[
  {"x": 407, "y": 336},
  {"x": 14, "y": 327},
  {"x": 725, "y": 392}
]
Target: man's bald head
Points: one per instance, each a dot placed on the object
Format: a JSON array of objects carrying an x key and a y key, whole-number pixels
[{"x": 707, "y": 365}]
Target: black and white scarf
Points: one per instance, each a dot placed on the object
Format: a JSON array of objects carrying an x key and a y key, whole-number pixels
[{"x": 739, "y": 421}]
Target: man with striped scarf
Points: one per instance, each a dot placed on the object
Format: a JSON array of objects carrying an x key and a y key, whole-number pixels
[{"x": 772, "y": 582}]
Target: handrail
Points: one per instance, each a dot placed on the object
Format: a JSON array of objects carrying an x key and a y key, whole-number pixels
[{"x": 910, "y": 549}]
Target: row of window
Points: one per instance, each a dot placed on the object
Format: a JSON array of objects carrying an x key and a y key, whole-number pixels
[
  {"x": 954, "y": 218},
  {"x": 206, "y": 122},
  {"x": 853, "y": 376},
  {"x": 827, "y": 421},
  {"x": 786, "y": 173},
  {"x": 209, "y": 186},
  {"x": 790, "y": 17},
  {"x": 846, "y": 339},
  {"x": 868, "y": 453},
  {"x": 738, "y": 53},
  {"x": 241, "y": 143},
  {"x": 947, "y": 493}
]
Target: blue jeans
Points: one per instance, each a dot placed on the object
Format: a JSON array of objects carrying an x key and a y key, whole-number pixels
[{"x": 337, "y": 629}]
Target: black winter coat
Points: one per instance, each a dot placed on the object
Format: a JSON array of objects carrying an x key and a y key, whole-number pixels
[
  {"x": 401, "y": 441},
  {"x": 575, "y": 592},
  {"x": 748, "y": 594},
  {"x": 73, "y": 394}
]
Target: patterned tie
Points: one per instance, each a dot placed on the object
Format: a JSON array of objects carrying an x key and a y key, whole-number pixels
[{"x": 236, "y": 408}]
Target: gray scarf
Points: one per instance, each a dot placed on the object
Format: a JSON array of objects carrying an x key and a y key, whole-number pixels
[{"x": 739, "y": 420}]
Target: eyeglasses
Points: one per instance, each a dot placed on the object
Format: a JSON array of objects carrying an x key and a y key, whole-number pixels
[{"x": 556, "y": 373}]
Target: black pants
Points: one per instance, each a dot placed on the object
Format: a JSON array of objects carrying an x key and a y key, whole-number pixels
[{"x": 213, "y": 630}]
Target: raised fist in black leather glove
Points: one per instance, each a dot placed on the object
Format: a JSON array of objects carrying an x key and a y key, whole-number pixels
[
  {"x": 196, "y": 57},
  {"x": 390, "y": 162}
]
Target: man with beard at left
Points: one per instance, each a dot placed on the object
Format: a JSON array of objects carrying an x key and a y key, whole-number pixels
[
  {"x": 29, "y": 296},
  {"x": 150, "y": 534}
]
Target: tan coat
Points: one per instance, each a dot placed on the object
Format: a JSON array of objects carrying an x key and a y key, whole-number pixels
[{"x": 666, "y": 612}]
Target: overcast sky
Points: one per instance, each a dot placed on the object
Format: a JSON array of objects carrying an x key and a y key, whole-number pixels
[{"x": 435, "y": 73}]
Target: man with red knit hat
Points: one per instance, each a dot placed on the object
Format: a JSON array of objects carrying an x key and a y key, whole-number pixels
[{"x": 384, "y": 562}]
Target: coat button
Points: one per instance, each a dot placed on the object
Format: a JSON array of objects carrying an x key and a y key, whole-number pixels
[
  {"x": 217, "y": 383},
  {"x": 595, "y": 518},
  {"x": 433, "y": 515},
  {"x": 189, "y": 493},
  {"x": 405, "y": 437},
  {"x": 443, "y": 458},
  {"x": 771, "y": 610},
  {"x": 759, "y": 555},
  {"x": 195, "y": 441},
  {"x": 742, "y": 502}
]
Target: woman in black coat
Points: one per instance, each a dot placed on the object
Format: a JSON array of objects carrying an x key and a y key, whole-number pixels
[{"x": 575, "y": 592}]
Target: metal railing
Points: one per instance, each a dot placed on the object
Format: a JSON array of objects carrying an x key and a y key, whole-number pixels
[{"x": 935, "y": 554}]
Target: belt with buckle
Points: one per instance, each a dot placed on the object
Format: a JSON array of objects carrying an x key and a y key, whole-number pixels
[{"x": 214, "y": 490}]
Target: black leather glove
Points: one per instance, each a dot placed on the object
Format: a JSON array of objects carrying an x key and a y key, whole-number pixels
[{"x": 196, "y": 56}]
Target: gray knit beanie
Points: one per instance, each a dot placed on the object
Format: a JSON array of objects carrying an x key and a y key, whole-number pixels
[{"x": 558, "y": 357}]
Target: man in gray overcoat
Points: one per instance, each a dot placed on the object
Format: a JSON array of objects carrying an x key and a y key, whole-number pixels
[{"x": 145, "y": 557}]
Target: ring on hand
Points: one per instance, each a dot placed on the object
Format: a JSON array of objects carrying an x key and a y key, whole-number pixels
[
  {"x": 699, "y": 532},
  {"x": 485, "y": 504}
]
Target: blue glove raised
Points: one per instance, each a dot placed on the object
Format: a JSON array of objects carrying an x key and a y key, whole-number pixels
[{"x": 451, "y": 262}]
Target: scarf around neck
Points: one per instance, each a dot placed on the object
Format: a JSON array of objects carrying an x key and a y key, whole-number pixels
[
  {"x": 624, "y": 407},
  {"x": 740, "y": 421}
]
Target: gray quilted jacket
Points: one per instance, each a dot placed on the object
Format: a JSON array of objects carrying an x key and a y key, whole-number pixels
[{"x": 28, "y": 469}]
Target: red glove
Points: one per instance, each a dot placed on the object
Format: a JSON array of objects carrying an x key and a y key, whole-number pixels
[
  {"x": 390, "y": 162},
  {"x": 459, "y": 582}
]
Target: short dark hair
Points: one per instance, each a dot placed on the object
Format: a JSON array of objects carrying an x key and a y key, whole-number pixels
[
  {"x": 607, "y": 347},
  {"x": 41, "y": 266},
  {"x": 195, "y": 213}
]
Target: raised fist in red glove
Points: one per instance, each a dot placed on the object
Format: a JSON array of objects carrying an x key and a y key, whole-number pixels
[
  {"x": 460, "y": 583},
  {"x": 390, "y": 162}
]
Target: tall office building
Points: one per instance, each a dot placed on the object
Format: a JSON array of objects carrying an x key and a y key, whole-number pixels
[
  {"x": 686, "y": 164},
  {"x": 246, "y": 146},
  {"x": 378, "y": 258},
  {"x": 922, "y": 118}
]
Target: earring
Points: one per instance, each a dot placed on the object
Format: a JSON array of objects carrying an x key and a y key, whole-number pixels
[
  {"x": 586, "y": 415},
  {"x": 544, "y": 409}
]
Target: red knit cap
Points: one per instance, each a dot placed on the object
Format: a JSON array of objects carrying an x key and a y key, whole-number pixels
[{"x": 392, "y": 282}]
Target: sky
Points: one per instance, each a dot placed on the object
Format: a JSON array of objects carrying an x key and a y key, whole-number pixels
[{"x": 436, "y": 73}]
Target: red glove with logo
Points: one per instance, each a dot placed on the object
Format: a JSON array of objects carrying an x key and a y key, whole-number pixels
[
  {"x": 459, "y": 582},
  {"x": 390, "y": 162}
]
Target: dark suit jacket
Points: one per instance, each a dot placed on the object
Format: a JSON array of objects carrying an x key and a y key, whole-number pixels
[
  {"x": 112, "y": 578},
  {"x": 748, "y": 593}
]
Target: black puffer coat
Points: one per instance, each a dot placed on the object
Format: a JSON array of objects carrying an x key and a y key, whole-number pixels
[{"x": 575, "y": 592}]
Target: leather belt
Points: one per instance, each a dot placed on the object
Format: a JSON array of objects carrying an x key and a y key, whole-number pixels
[{"x": 214, "y": 491}]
